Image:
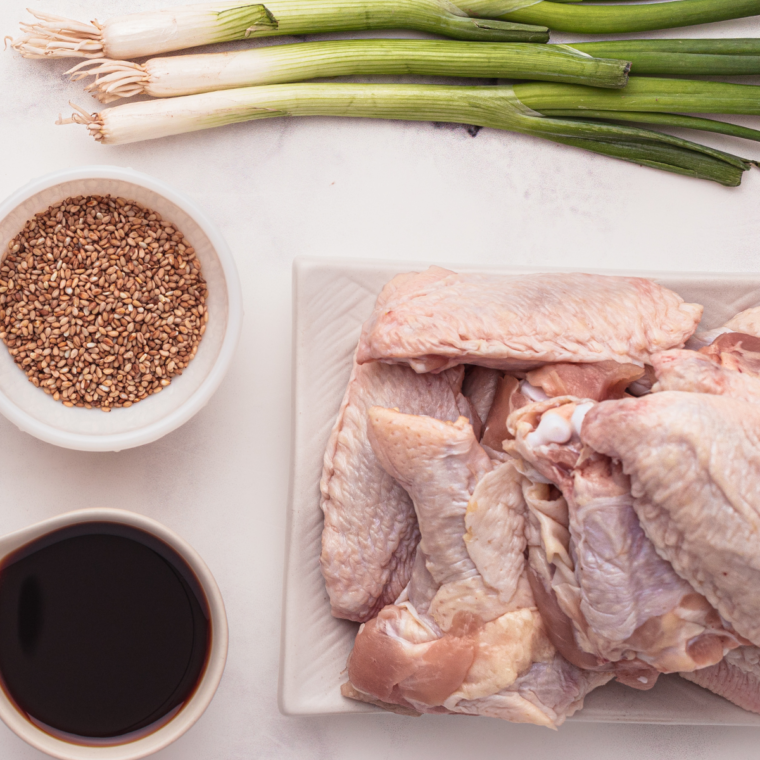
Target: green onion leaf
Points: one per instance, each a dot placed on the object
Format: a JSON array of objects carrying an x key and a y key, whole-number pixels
[{"x": 615, "y": 19}]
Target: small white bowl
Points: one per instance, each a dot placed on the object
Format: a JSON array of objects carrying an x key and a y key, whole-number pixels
[
  {"x": 35, "y": 412},
  {"x": 167, "y": 730}
]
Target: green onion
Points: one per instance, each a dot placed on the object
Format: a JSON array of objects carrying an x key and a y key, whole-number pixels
[
  {"x": 681, "y": 57},
  {"x": 142, "y": 34},
  {"x": 496, "y": 107},
  {"x": 191, "y": 74},
  {"x": 612, "y": 19},
  {"x": 644, "y": 94},
  {"x": 730, "y": 46},
  {"x": 665, "y": 119},
  {"x": 650, "y": 101}
]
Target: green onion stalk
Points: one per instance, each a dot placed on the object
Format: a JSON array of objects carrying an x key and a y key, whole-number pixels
[
  {"x": 496, "y": 107},
  {"x": 583, "y": 18},
  {"x": 191, "y": 74},
  {"x": 681, "y": 58},
  {"x": 650, "y": 101},
  {"x": 139, "y": 35}
]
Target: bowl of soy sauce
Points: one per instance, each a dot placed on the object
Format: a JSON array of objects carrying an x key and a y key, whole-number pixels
[{"x": 113, "y": 635}]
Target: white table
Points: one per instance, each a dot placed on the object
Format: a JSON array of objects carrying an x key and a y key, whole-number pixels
[{"x": 324, "y": 187}]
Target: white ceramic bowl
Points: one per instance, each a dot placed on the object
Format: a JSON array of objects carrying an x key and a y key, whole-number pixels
[
  {"x": 148, "y": 741},
  {"x": 35, "y": 412}
]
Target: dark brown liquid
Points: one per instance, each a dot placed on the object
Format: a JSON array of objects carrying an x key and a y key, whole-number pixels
[{"x": 104, "y": 630}]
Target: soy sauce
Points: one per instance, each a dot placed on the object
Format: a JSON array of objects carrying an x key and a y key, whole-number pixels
[{"x": 104, "y": 630}]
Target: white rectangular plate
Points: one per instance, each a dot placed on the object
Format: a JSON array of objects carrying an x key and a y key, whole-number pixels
[{"x": 331, "y": 300}]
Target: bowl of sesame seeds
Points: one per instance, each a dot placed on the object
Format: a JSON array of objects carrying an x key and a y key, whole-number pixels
[{"x": 117, "y": 295}]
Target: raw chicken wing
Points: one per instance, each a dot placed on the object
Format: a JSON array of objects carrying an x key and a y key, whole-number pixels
[
  {"x": 440, "y": 464},
  {"x": 465, "y": 636},
  {"x": 624, "y": 600},
  {"x": 370, "y": 533},
  {"x": 694, "y": 463},
  {"x": 439, "y": 319},
  {"x": 730, "y": 366}
]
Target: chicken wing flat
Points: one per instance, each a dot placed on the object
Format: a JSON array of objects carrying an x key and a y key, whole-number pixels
[
  {"x": 370, "y": 531},
  {"x": 438, "y": 319},
  {"x": 441, "y": 465},
  {"x": 694, "y": 463}
]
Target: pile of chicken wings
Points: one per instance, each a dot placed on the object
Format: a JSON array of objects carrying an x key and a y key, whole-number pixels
[{"x": 537, "y": 484}]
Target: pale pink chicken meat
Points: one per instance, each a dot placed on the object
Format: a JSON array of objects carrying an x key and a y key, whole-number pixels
[
  {"x": 736, "y": 677},
  {"x": 694, "y": 463},
  {"x": 746, "y": 322},
  {"x": 479, "y": 387},
  {"x": 593, "y": 381},
  {"x": 495, "y": 425},
  {"x": 465, "y": 636},
  {"x": 547, "y": 694},
  {"x": 399, "y": 660},
  {"x": 730, "y": 366},
  {"x": 441, "y": 465},
  {"x": 598, "y": 382},
  {"x": 438, "y": 319},
  {"x": 626, "y": 603},
  {"x": 432, "y": 460},
  {"x": 737, "y": 351},
  {"x": 370, "y": 532},
  {"x": 641, "y": 551}
]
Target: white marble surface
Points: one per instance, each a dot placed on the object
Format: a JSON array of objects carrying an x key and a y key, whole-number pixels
[{"x": 322, "y": 187}]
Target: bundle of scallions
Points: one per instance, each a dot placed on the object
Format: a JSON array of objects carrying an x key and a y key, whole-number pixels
[{"x": 574, "y": 94}]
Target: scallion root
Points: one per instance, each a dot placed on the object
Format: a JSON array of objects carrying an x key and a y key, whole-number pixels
[
  {"x": 59, "y": 37},
  {"x": 92, "y": 121},
  {"x": 113, "y": 79}
]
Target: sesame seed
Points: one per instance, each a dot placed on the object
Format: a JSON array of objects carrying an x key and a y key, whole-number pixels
[{"x": 86, "y": 286}]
